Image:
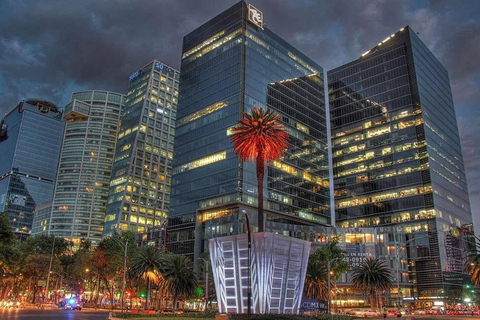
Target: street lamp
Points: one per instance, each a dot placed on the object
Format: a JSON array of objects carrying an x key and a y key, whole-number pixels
[
  {"x": 125, "y": 248},
  {"x": 50, "y": 267},
  {"x": 206, "y": 282},
  {"x": 329, "y": 307}
]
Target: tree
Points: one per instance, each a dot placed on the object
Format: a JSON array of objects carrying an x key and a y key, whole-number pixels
[
  {"x": 179, "y": 278},
  {"x": 372, "y": 275},
  {"x": 7, "y": 237},
  {"x": 472, "y": 266},
  {"x": 147, "y": 265},
  {"x": 258, "y": 138},
  {"x": 42, "y": 244},
  {"x": 316, "y": 286},
  {"x": 316, "y": 278}
]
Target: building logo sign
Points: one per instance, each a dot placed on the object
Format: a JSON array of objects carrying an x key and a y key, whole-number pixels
[
  {"x": 255, "y": 16},
  {"x": 158, "y": 66},
  {"x": 133, "y": 76},
  {"x": 312, "y": 305}
]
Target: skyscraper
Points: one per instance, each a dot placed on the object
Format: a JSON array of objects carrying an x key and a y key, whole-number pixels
[
  {"x": 397, "y": 159},
  {"x": 230, "y": 64},
  {"x": 139, "y": 192},
  {"x": 29, "y": 160},
  {"x": 78, "y": 209}
]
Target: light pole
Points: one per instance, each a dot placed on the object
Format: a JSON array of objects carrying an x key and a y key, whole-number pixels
[
  {"x": 329, "y": 307},
  {"x": 50, "y": 267},
  {"x": 206, "y": 282},
  {"x": 125, "y": 248}
]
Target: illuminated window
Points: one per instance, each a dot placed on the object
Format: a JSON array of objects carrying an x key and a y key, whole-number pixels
[
  {"x": 209, "y": 45},
  {"x": 203, "y": 44},
  {"x": 119, "y": 188},
  {"x": 126, "y": 147},
  {"x": 302, "y": 128},
  {"x": 200, "y": 113},
  {"x": 231, "y": 130},
  {"x": 118, "y": 181},
  {"x": 202, "y": 162}
]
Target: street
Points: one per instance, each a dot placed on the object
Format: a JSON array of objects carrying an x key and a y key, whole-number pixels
[
  {"x": 33, "y": 314},
  {"x": 432, "y": 317}
]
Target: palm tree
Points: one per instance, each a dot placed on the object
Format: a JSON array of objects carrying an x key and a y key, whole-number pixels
[
  {"x": 258, "y": 138},
  {"x": 472, "y": 266},
  {"x": 147, "y": 265},
  {"x": 178, "y": 276},
  {"x": 316, "y": 286},
  {"x": 316, "y": 278},
  {"x": 372, "y": 275}
]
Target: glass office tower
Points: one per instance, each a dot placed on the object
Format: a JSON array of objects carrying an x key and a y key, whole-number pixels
[
  {"x": 83, "y": 179},
  {"x": 139, "y": 192},
  {"x": 230, "y": 64},
  {"x": 29, "y": 160},
  {"x": 397, "y": 158}
]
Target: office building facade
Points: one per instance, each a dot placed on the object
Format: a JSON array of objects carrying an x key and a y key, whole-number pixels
[
  {"x": 28, "y": 160},
  {"x": 139, "y": 193},
  {"x": 78, "y": 208},
  {"x": 230, "y": 64},
  {"x": 397, "y": 159}
]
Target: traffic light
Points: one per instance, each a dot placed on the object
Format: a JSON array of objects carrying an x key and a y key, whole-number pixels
[{"x": 203, "y": 298}]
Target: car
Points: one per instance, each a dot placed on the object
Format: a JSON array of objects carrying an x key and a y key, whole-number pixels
[
  {"x": 74, "y": 307},
  {"x": 72, "y": 304},
  {"x": 420, "y": 312},
  {"x": 370, "y": 313}
]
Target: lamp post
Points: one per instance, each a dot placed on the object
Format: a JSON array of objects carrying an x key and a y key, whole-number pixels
[
  {"x": 206, "y": 282},
  {"x": 50, "y": 267},
  {"x": 125, "y": 248},
  {"x": 329, "y": 307}
]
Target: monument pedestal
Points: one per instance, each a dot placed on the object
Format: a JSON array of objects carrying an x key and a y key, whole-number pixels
[{"x": 278, "y": 266}]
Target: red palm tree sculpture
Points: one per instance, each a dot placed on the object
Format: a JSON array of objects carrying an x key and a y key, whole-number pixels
[{"x": 258, "y": 139}]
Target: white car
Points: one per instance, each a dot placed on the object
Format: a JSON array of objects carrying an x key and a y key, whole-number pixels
[{"x": 368, "y": 313}]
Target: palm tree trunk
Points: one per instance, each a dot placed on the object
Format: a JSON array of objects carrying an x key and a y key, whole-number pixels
[
  {"x": 148, "y": 294},
  {"x": 373, "y": 301},
  {"x": 260, "y": 175}
]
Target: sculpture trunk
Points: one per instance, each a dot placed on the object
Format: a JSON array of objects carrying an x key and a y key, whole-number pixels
[{"x": 260, "y": 175}]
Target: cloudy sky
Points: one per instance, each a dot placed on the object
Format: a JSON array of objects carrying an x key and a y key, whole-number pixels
[{"x": 50, "y": 48}]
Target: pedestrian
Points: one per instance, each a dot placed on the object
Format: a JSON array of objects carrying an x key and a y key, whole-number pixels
[{"x": 384, "y": 311}]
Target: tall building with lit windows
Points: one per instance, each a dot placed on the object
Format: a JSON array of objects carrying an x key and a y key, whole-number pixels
[
  {"x": 29, "y": 153},
  {"x": 139, "y": 192},
  {"x": 86, "y": 159},
  {"x": 397, "y": 161},
  {"x": 230, "y": 64}
]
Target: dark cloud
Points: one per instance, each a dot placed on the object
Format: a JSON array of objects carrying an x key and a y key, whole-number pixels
[{"x": 50, "y": 48}]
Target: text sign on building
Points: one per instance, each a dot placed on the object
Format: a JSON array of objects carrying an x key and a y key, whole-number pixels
[
  {"x": 312, "y": 305},
  {"x": 255, "y": 16}
]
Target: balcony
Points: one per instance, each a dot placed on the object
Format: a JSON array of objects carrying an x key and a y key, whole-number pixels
[{"x": 76, "y": 111}]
